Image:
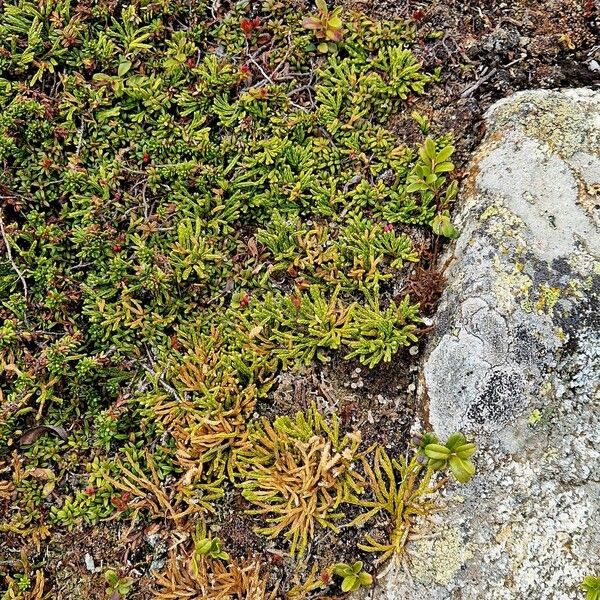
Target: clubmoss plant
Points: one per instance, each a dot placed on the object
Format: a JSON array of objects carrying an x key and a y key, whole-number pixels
[
  {"x": 195, "y": 197},
  {"x": 297, "y": 473},
  {"x": 404, "y": 487},
  {"x": 209, "y": 579}
]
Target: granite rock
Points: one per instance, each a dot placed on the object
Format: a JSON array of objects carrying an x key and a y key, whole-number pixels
[{"x": 514, "y": 362}]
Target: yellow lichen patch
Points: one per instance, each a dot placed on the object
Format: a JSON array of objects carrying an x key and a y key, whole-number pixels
[
  {"x": 548, "y": 296},
  {"x": 438, "y": 560},
  {"x": 553, "y": 120},
  {"x": 490, "y": 211},
  {"x": 561, "y": 334},
  {"x": 511, "y": 285},
  {"x": 506, "y": 225}
]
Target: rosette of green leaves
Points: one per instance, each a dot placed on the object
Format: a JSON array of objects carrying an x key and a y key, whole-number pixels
[
  {"x": 591, "y": 587},
  {"x": 327, "y": 26},
  {"x": 211, "y": 548},
  {"x": 454, "y": 454},
  {"x": 353, "y": 576},
  {"x": 117, "y": 587}
]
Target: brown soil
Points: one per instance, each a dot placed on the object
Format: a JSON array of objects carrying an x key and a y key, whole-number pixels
[{"x": 490, "y": 49}]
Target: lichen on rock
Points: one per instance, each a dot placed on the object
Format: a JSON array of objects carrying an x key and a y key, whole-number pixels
[{"x": 514, "y": 360}]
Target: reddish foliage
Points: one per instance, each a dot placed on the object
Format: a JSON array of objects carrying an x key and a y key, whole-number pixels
[
  {"x": 121, "y": 502},
  {"x": 245, "y": 73},
  {"x": 589, "y": 8},
  {"x": 244, "y": 300},
  {"x": 325, "y": 577},
  {"x": 425, "y": 286},
  {"x": 249, "y": 25}
]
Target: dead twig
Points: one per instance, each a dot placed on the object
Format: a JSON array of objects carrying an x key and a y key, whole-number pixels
[
  {"x": 263, "y": 72},
  {"x": 278, "y": 67},
  {"x": 10, "y": 257},
  {"x": 80, "y": 139},
  {"x": 479, "y": 82}
]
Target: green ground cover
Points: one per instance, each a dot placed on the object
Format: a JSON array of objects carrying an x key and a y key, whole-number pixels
[{"x": 194, "y": 197}]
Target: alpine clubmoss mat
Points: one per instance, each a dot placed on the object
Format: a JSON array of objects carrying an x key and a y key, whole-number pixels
[{"x": 196, "y": 197}]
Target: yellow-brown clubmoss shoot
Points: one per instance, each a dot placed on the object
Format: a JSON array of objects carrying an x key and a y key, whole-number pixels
[{"x": 193, "y": 198}]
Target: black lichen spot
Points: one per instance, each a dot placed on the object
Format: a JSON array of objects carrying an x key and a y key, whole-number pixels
[
  {"x": 527, "y": 348},
  {"x": 499, "y": 399}
]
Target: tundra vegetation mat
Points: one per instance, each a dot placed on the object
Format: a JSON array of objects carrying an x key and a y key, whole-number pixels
[
  {"x": 218, "y": 221},
  {"x": 201, "y": 205}
]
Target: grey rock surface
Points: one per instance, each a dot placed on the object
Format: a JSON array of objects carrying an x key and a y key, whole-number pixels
[{"x": 515, "y": 363}]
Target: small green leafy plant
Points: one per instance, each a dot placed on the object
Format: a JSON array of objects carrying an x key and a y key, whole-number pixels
[
  {"x": 591, "y": 587},
  {"x": 211, "y": 548},
  {"x": 428, "y": 173},
  {"x": 442, "y": 225},
  {"x": 117, "y": 587},
  {"x": 327, "y": 25},
  {"x": 353, "y": 576},
  {"x": 454, "y": 454}
]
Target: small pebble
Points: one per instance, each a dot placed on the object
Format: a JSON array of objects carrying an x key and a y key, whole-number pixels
[
  {"x": 158, "y": 563},
  {"x": 153, "y": 539},
  {"x": 413, "y": 350},
  {"x": 89, "y": 563},
  {"x": 594, "y": 66}
]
